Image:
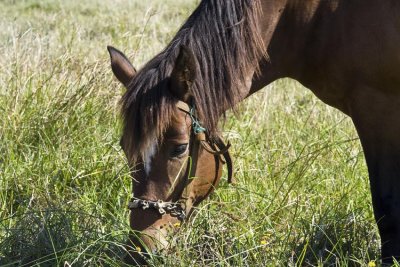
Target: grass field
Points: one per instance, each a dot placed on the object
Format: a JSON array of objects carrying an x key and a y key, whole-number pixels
[{"x": 301, "y": 196}]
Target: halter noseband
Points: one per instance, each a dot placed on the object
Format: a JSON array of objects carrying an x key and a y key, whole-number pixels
[
  {"x": 215, "y": 146},
  {"x": 175, "y": 209}
]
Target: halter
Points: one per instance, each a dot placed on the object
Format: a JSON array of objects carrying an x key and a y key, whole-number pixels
[{"x": 215, "y": 146}]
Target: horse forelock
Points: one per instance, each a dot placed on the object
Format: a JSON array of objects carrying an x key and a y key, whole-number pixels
[
  {"x": 147, "y": 111},
  {"x": 224, "y": 37}
]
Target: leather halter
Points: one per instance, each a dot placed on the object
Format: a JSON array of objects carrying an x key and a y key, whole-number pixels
[{"x": 199, "y": 136}]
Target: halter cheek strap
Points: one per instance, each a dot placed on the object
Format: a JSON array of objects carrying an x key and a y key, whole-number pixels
[{"x": 215, "y": 147}]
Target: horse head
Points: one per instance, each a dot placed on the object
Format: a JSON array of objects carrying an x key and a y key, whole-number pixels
[{"x": 175, "y": 163}]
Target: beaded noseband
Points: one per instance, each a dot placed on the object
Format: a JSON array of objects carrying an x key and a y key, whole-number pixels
[
  {"x": 175, "y": 209},
  {"x": 215, "y": 146}
]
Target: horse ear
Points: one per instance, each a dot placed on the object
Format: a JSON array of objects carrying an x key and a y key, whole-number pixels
[
  {"x": 183, "y": 74},
  {"x": 121, "y": 66}
]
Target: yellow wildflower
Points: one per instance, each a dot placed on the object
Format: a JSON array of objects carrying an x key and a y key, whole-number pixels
[
  {"x": 371, "y": 264},
  {"x": 263, "y": 242},
  {"x": 178, "y": 224},
  {"x": 138, "y": 249}
]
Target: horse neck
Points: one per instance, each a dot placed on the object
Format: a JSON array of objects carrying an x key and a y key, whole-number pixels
[{"x": 290, "y": 29}]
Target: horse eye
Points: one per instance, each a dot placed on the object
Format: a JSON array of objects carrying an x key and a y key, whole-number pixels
[{"x": 179, "y": 150}]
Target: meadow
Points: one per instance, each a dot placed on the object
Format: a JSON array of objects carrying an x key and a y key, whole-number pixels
[{"x": 301, "y": 194}]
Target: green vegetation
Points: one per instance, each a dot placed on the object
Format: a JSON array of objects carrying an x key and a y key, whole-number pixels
[{"x": 301, "y": 195}]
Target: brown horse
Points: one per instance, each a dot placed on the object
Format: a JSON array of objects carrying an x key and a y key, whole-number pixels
[{"x": 346, "y": 51}]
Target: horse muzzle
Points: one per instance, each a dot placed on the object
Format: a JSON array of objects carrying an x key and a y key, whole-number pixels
[{"x": 151, "y": 234}]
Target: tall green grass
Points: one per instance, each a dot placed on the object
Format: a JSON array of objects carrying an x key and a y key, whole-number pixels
[{"x": 301, "y": 196}]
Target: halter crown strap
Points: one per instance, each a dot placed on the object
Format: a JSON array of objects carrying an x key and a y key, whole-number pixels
[{"x": 183, "y": 106}]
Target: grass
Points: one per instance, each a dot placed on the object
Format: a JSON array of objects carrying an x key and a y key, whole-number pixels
[{"x": 301, "y": 196}]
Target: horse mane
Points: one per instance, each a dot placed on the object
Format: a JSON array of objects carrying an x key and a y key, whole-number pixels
[{"x": 225, "y": 39}]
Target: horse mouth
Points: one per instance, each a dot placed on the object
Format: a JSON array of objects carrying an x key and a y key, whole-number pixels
[{"x": 151, "y": 239}]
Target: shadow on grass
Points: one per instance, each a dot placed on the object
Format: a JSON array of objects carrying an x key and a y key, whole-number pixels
[{"x": 57, "y": 237}]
